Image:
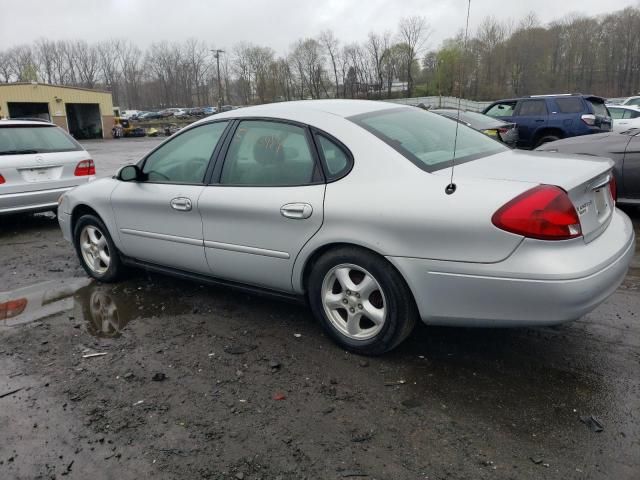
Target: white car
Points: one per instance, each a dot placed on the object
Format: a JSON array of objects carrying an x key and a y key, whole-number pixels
[
  {"x": 38, "y": 163},
  {"x": 624, "y": 117}
]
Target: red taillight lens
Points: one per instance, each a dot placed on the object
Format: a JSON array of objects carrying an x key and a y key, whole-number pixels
[
  {"x": 2, "y": 180},
  {"x": 544, "y": 212},
  {"x": 503, "y": 130},
  {"x": 612, "y": 186},
  {"x": 12, "y": 308},
  {"x": 85, "y": 167}
]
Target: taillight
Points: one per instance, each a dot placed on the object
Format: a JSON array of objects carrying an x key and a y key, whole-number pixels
[
  {"x": 2, "y": 180},
  {"x": 12, "y": 308},
  {"x": 589, "y": 119},
  {"x": 544, "y": 212},
  {"x": 613, "y": 187},
  {"x": 85, "y": 167},
  {"x": 503, "y": 130}
]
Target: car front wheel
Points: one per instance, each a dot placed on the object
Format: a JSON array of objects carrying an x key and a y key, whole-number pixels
[
  {"x": 97, "y": 253},
  {"x": 361, "y": 300}
]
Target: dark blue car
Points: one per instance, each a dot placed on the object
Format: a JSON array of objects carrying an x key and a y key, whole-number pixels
[{"x": 546, "y": 118}]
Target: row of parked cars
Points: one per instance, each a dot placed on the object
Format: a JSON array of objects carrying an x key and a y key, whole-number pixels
[{"x": 174, "y": 112}]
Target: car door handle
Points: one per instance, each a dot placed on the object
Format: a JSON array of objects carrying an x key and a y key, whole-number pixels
[
  {"x": 298, "y": 211},
  {"x": 181, "y": 203}
]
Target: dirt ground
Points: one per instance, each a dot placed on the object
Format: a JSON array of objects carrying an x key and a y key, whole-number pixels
[{"x": 161, "y": 378}]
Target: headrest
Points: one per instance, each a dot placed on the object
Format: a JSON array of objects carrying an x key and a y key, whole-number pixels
[{"x": 268, "y": 150}]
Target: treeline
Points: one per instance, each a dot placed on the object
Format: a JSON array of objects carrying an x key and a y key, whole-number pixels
[{"x": 598, "y": 55}]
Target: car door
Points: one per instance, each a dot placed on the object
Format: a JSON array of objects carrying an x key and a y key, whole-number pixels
[
  {"x": 631, "y": 169},
  {"x": 157, "y": 217},
  {"x": 531, "y": 115},
  {"x": 265, "y": 202}
]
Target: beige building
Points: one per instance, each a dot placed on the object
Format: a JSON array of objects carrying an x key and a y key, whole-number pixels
[{"x": 84, "y": 113}]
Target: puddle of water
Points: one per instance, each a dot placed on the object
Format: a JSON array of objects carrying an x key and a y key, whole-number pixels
[{"x": 105, "y": 309}]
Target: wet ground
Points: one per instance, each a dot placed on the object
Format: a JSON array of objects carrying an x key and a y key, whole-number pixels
[{"x": 156, "y": 377}]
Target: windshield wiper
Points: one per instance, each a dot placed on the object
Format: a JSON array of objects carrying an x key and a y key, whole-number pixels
[{"x": 17, "y": 152}]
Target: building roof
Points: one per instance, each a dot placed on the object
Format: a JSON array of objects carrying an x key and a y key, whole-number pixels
[{"x": 53, "y": 86}]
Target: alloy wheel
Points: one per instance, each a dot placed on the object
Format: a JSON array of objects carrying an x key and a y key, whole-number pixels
[
  {"x": 353, "y": 301},
  {"x": 95, "y": 249}
]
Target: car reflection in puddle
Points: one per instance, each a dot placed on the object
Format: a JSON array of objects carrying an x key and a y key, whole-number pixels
[{"x": 106, "y": 309}]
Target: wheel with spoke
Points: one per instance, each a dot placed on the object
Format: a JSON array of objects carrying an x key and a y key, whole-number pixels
[
  {"x": 96, "y": 250},
  {"x": 361, "y": 300}
]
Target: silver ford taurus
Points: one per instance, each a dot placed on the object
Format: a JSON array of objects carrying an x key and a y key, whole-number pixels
[
  {"x": 351, "y": 205},
  {"x": 38, "y": 163}
]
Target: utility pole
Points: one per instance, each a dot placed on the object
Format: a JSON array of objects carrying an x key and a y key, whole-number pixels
[{"x": 216, "y": 54}]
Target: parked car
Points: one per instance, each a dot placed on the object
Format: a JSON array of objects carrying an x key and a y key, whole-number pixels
[
  {"x": 181, "y": 113},
  {"x": 195, "y": 111},
  {"x": 545, "y": 118},
  {"x": 624, "y": 117},
  {"x": 348, "y": 205},
  {"x": 504, "y": 132},
  {"x": 149, "y": 116},
  {"x": 632, "y": 101},
  {"x": 622, "y": 148},
  {"x": 209, "y": 111},
  {"x": 129, "y": 114},
  {"x": 38, "y": 162}
]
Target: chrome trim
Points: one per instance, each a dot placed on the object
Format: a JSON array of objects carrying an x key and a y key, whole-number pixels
[
  {"x": 37, "y": 192},
  {"x": 162, "y": 236},
  {"x": 245, "y": 249}
]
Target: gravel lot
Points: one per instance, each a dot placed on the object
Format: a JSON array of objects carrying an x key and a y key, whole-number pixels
[{"x": 202, "y": 382}]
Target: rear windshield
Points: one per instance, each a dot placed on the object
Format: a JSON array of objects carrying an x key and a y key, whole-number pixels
[
  {"x": 427, "y": 139},
  {"x": 598, "y": 107},
  {"x": 35, "y": 139}
]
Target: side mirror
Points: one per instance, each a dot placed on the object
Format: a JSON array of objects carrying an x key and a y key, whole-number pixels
[{"x": 129, "y": 173}]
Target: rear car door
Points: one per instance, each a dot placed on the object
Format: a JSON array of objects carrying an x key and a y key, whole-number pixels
[
  {"x": 265, "y": 202},
  {"x": 531, "y": 115},
  {"x": 157, "y": 218}
]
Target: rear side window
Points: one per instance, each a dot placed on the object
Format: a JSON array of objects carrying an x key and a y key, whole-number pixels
[
  {"x": 265, "y": 153},
  {"x": 598, "y": 108},
  {"x": 501, "y": 109},
  {"x": 631, "y": 114},
  {"x": 617, "y": 113},
  {"x": 35, "y": 139},
  {"x": 633, "y": 101},
  {"x": 335, "y": 158},
  {"x": 569, "y": 105},
  {"x": 532, "y": 107}
]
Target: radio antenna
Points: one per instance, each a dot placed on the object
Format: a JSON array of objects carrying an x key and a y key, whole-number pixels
[{"x": 449, "y": 189}]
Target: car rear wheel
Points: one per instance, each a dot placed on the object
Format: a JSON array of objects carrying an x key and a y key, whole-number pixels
[
  {"x": 361, "y": 300},
  {"x": 97, "y": 253},
  {"x": 546, "y": 139}
]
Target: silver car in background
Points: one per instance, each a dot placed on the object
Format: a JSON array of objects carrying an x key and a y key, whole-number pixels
[
  {"x": 38, "y": 163},
  {"x": 349, "y": 205}
]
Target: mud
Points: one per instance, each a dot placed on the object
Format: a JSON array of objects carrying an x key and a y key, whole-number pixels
[{"x": 202, "y": 382}]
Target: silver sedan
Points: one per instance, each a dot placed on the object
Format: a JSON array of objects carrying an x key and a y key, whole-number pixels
[
  {"x": 355, "y": 206},
  {"x": 38, "y": 162}
]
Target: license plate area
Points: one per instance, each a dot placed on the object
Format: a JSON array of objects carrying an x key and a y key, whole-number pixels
[{"x": 41, "y": 174}]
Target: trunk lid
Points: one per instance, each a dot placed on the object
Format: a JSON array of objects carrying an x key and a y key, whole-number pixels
[
  {"x": 585, "y": 179},
  {"x": 41, "y": 171}
]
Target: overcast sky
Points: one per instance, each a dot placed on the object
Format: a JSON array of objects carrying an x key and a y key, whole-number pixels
[{"x": 276, "y": 23}]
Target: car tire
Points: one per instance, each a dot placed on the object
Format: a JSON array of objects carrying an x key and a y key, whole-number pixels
[
  {"x": 547, "y": 139},
  {"x": 361, "y": 300},
  {"x": 95, "y": 249}
]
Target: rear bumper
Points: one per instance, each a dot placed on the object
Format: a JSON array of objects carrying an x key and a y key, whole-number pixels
[
  {"x": 541, "y": 283},
  {"x": 36, "y": 201}
]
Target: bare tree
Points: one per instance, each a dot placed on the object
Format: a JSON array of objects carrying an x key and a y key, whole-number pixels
[
  {"x": 330, "y": 44},
  {"x": 413, "y": 32}
]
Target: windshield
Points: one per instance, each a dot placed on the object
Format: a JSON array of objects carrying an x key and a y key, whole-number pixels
[
  {"x": 35, "y": 139},
  {"x": 427, "y": 139}
]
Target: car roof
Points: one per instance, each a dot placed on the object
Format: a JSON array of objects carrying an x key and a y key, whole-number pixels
[
  {"x": 340, "y": 108},
  {"x": 553, "y": 95},
  {"x": 14, "y": 122}
]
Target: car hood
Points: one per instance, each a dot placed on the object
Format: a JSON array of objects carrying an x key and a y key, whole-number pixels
[{"x": 567, "y": 172}]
